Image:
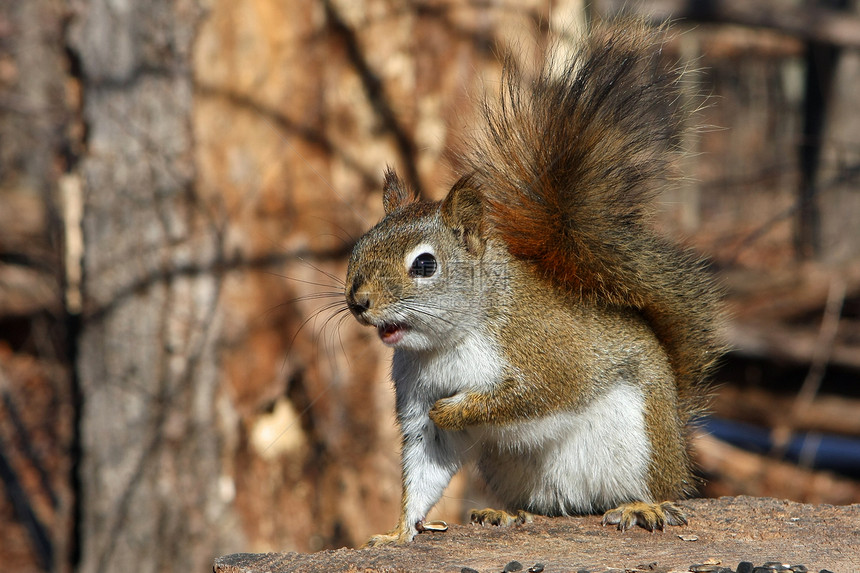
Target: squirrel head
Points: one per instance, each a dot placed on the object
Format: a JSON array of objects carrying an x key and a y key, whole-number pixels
[{"x": 417, "y": 275}]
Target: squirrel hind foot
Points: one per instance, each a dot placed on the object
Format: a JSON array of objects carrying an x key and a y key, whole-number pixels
[
  {"x": 499, "y": 517},
  {"x": 382, "y": 540},
  {"x": 395, "y": 537},
  {"x": 650, "y": 516}
]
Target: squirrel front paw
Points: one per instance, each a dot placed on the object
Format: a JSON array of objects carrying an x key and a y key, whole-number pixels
[{"x": 449, "y": 413}]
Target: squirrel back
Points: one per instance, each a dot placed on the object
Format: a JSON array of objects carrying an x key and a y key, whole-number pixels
[{"x": 568, "y": 168}]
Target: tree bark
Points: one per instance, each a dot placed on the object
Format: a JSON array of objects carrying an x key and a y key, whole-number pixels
[{"x": 151, "y": 443}]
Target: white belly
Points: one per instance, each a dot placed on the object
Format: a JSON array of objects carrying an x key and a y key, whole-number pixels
[{"x": 571, "y": 463}]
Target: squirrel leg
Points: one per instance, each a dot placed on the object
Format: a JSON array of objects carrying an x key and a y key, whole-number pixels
[
  {"x": 499, "y": 517},
  {"x": 429, "y": 459},
  {"x": 650, "y": 516}
]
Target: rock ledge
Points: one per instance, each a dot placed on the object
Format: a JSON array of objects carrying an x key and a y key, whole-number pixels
[{"x": 726, "y": 530}]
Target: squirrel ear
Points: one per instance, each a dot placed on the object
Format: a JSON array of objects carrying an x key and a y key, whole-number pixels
[
  {"x": 396, "y": 193},
  {"x": 463, "y": 211}
]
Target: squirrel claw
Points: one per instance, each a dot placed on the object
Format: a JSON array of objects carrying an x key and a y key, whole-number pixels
[
  {"x": 499, "y": 517},
  {"x": 650, "y": 516}
]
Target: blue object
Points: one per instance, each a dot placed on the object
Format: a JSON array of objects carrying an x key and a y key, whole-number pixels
[{"x": 825, "y": 451}]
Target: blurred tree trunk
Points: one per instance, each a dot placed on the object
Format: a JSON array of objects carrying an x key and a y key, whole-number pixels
[{"x": 150, "y": 468}]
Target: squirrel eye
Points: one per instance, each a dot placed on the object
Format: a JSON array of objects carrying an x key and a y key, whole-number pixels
[{"x": 423, "y": 266}]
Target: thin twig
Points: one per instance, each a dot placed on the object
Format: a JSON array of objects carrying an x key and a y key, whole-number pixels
[{"x": 821, "y": 354}]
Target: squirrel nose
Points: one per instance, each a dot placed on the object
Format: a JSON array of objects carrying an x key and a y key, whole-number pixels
[{"x": 357, "y": 301}]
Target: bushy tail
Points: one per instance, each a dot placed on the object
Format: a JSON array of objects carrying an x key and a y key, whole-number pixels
[{"x": 569, "y": 166}]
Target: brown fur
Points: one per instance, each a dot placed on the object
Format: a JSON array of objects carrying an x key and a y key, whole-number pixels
[{"x": 568, "y": 169}]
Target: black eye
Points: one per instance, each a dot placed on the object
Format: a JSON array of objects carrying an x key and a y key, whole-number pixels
[{"x": 423, "y": 266}]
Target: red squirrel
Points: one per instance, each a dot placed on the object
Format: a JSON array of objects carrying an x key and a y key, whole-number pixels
[{"x": 541, "y": 328}]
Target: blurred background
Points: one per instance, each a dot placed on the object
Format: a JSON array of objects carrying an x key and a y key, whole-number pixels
[{"x": 181, "y": 182}]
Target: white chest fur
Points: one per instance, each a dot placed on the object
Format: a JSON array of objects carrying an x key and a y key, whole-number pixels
[
  {"x": 583, "y": 462},
  {"x": 420, "y": 379}
]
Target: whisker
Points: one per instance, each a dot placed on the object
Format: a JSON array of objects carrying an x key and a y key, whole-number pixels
[
  {"x": 340, "y": 314},
  {"x": 338, "y": 326},
  {"x": 312, "y": 296},
  {"x": 313, "y": 316},
  {"x": 339, "y": 284},
  {"x": 316, "y": 296},
  {"x": 422, "y": 312},
  {"x": 338, "y": 281},
  {"x": 336, "y": 306}
]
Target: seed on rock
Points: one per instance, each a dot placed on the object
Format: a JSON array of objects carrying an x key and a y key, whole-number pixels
[
  {"x": 513, "y": 566},
  {"x": 435, "y": 526},
  {"x": 536, "y": 568}
]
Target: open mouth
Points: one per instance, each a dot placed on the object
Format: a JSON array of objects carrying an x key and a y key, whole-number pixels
[{"x": 390, "y": 334}]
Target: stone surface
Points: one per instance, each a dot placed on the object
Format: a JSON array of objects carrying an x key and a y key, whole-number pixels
[{"x": 727, "y": 530}]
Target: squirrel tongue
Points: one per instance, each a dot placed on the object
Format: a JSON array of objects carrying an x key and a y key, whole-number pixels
[{"x": 390, "y": 333}]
